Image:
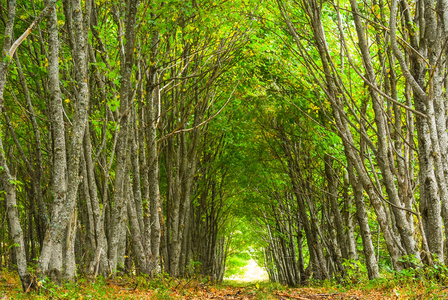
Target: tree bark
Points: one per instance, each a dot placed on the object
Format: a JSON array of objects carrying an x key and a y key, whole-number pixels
[
  {"x": 127, "y": 64},
  {"x": 52, "y": 244}
]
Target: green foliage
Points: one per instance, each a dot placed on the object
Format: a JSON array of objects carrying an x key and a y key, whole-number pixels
[
  {"x": 236, "y": 264},
  {"x": 434, "y": 275},
  {"x": 356, "y": 272},
  {"x": 194, "y": 267}
]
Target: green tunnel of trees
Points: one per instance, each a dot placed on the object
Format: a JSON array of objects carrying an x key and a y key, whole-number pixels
[{"x": 148, "y": 137}]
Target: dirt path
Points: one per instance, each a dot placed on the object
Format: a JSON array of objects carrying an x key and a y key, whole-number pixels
[
  {"x": 252, "y": 291},
  {"x": 248, "y": 293}
]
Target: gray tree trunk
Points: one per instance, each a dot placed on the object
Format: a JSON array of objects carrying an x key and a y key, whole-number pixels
[
  {"x": 334, "y": 205},
  {"x": 63, "y": 219},
  {"x": 348, "y": 220},
  {"x": 136, "y": 234},
  {"x": 313, "y": 9},
  {"x": 383, "y": 149},
  {"x": 38, "y": 170},
  {"x": 153, "y": 175},
  {"x": 431, "y": 137},
  {"x": 361, "y": 214},
  {"x": 99, "y": 264},
  {"x": 52, "y": 245},
  {"x": 9, "y": 184},
  {"x": 127, "y": 64}
]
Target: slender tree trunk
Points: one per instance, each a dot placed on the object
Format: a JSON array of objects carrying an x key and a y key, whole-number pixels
[
  {"x": 383, "y": 151},
  {"x": 435, "y": 186},
  {"x": 122, "y": 143},
  {"x": 7, "y": 180},
  {"x": 153, "y": 171},
  {"x": 363, "y": 221},
  {"x": 100, "y": 263},
  {"x": 16, "y": 232},
  {"x": 136, "y": 234},
  {"x": 313, "y": 8},
  {"x": 37, "y": 172},
  {"x": 348, "y": 218},
  {"x": 334, "y": 205},
  {"x": 51, "y": 253}
]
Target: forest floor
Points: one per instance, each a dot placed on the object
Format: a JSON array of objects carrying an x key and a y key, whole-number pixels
[{"x": 163, "y": 288}]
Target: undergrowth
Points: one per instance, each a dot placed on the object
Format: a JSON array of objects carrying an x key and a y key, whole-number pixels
[{"x": 417, "y": 283}]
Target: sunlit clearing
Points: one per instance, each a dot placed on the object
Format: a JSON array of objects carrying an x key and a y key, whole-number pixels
[{"x": 253, "y": 273}]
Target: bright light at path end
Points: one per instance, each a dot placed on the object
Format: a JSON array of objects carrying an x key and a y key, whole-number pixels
[{"x": 254, "y": 272}]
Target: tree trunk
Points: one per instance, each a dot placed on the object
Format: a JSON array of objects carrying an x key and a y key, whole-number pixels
[
  {"x": 122, "y": 143},
  {"x": 52, "y": 245},
  {"x": 16, "y": 232},
  {"x": 363, "y": 221}
]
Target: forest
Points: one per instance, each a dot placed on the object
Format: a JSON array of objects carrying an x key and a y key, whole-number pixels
[{"x": 181, "y": 138}]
